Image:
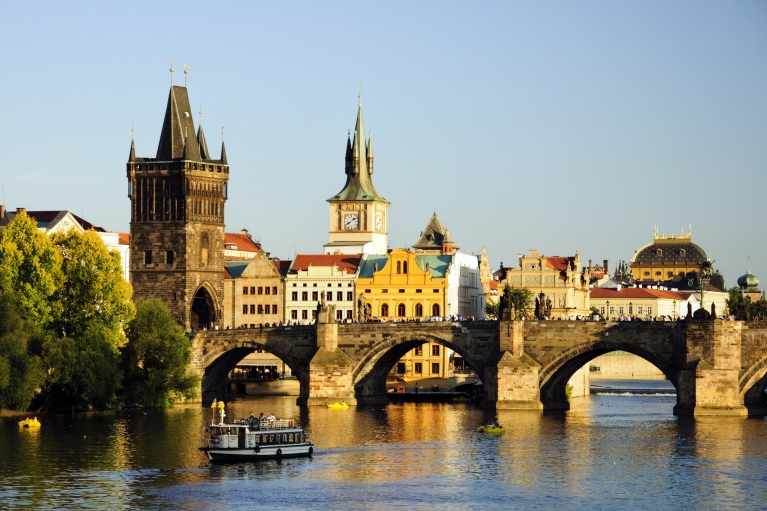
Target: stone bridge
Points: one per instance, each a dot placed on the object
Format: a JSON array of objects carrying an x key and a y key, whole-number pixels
[{"x": 717, "y": 367}]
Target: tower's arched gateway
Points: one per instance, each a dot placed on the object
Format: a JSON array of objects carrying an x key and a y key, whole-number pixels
[{"x": 177, "y": 219}]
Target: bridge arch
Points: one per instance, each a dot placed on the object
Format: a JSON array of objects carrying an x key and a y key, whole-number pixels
[
  {"x": 205, "y": 307},
  {"x": 553, "y": 377},
  {"x": 752, "y": 386},
  {"x": 222, "y": 358},
  {"x": 369, "y": 375}
]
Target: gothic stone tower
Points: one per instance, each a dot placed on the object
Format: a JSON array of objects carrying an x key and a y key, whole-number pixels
[
  {"x": 358, "y": 214},
  {"x": 177, "y": 219}
]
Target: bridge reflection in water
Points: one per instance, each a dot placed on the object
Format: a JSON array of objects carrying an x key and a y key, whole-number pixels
[{"x": 717, "y": 367}]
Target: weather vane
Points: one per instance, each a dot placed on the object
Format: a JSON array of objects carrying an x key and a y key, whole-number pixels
[
  {"x": 186, "y": 73},
  {"x": 359, "y": 86},
  {"x": 171, "y": 73}
]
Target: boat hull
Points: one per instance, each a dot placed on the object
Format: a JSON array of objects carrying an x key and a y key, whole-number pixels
[{"x": 264, "y": 453}]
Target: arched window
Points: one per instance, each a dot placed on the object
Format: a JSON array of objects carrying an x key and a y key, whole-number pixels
[
  {"x": 418, "y": 310},
  {"x": 404, "y": 267},
  {"x": 384, "y": 311},
  {"x": 399, "y": 267},
  {"x": 401, "y": 310},
  {"x": 435, "y": 309}
]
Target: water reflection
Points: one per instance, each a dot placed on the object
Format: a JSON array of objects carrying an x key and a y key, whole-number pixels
[{"x": 417, "y": 455}]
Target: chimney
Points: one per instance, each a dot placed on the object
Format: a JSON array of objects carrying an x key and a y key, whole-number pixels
[
  {"x": 2, "y": 211},
  {"x": 21, "y": 210},
  {"x": 246, "y": 233},
  {"x": 605, "y": 266}
]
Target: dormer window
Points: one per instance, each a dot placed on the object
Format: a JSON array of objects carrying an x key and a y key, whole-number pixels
[
  {"x": 659, "y": 252},
  {"x": 683, "y": 252}
]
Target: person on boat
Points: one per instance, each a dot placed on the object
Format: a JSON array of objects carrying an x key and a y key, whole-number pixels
[{"x": 271, "y": 418}]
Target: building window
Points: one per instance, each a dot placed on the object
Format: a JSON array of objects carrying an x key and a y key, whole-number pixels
[
  {"x": 274, "y": 309},
  {"x": 401, "y": 290},
  {"x": 399, "y": 267},
  {"x": 267, "y": 290},
  {"x": 349, "y": 315},
  {"x": 339, "y": 315},
  {"x": 274, "y": 290},
  {"x": 419, "y": 290},
  {"x": 649, "y": 311},
  {"x": 620, "y": 310},
  {"x": 294, "y": 314},
  {"x": 339, "y": 296},
  {"x": 658, "y": 274},
  {"x": 261, "y": 308},
  {"x": 670, "y": 273},
  {"x": 147, "y": 257},
  {"x": 435, "y": 309},
  {"x": 435, "y": 350},
  {"x": 252, "y": 290},
  {"x": 169, "y": 257},
  {"x": 418, "y": 352},
  {"x": 659, "y": 252},
  {"x": 639, "y": 310},
  {"x": 295, "y": 285},
  {"x": 401, "y": 310},
  {"x": 349, "y": 296},
  {"x": 384, "y": 311},
  {"x": 647, "y": 274},
  {"x": 245, "y": 290},
  {"x": 330, "y": 285},
  {"x": 683, "y": 252},
  {"x": 418, "y": 368},
  {"x": 367, "y": 290},
  {"x": 294, "y": 296},
  {"x": 244, "y": 309},
  {"x": 435, "y": 368},
  {"x": 384, "y": 290},
  {"x": 602, "y": 310},
  {"x": 612, "y": 310},
  {"x": 304, "y": 314},
  {"x": 260, "y": 290},
  {"x": 314, "y": 296},
  {"x": 418, "y": 310},
  {"x": 404, "y": 267},
  {"x": 436, "y": 290},
  {"x": 400, "y": 368},
  {"x": 340, "y": 285},
  {"x": 314, "y": 313},
  {"x": 631, "y": 310},
  {"x": 304, "y": 296}
]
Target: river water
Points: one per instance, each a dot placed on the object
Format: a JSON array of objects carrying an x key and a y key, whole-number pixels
[{"x": 617, "y": 449}]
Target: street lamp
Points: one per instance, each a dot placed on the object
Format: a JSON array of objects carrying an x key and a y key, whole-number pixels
[
  {"x": 673, "y": 314},
  {"x": 607, "y": 310},
  {"x": 631, "y": 309}
]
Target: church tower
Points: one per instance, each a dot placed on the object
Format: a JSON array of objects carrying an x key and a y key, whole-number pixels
[
  {"x": 358, "y": 214},
  {"x": 177, "y": 219}
]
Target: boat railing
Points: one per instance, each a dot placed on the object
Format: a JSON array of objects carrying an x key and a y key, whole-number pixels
[{"x": 278, "y": 424}]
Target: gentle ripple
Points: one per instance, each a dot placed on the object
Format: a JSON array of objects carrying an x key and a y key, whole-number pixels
[{"x": 607, "y": 452}]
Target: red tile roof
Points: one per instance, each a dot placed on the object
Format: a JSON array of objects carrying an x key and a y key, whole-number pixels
[
  {"x": 636, "y": 292},
  {"x": 494, "y": 285},
  {"x": 343, "y": 261},
  {"x": 558, "y": 262},
  {"x": 124, "y": 238},
  {"x": 242, "y": 241}
]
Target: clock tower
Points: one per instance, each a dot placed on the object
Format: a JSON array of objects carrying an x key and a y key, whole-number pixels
[{"x": 358, "y": 214}]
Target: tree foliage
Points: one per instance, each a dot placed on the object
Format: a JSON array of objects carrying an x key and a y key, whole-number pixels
[
  {"x": 93, "y": 294},
  {"x": 156, "y": 359},
  {"x": 492, "y": 309},
  {"x": 743, "y": 308},
  {"x": 20, "y": 372},
  {"x": 30, "y": 265}
]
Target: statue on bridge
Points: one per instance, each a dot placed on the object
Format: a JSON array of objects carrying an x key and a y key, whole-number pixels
[{"x": 542, "y": 305}]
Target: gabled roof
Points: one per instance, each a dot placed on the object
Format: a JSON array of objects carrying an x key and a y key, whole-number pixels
[
  {"x": 438, "y": 264},
  {"x": 343, "y": 261},
  {"x": 638, "y": 293},
  {"x": 368, "y": 265},
  {"x": 434, "y": 235},
  {"x": 243, "y": 242},
  {"x": 235, "y": 268},
  {"x": 124, "y": 238},
  {"x": 47, "y": 219}
]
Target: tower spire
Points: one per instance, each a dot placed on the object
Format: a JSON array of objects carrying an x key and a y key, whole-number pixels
[
  {"x": 201, "y": 143},
  {"x": 223, "y": 148},
  {"x": 132, "y": 155}
]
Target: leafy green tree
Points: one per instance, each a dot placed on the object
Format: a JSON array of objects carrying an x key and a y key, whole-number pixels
[
  {"x": 759, "y": 309},
  {"x": 93, "y": 294},
  {"x": 30, "y": 265},
  {"x": 156, "y": 360},
  {"x": 492, "y": 309},
  {"x": 20, "y": 372},
  {"x": 522, "y": 299}
]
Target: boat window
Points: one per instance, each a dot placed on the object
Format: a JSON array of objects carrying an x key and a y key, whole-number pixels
[
  {"x": 291, "y": 438},
  {"x": 260, "y": 439},
  {"x": 272, "y": 439}
]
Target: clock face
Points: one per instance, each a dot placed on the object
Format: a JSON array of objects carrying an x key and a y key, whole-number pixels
[
  {"x": 379, "y": 221},
  {"x": 351, "y": 221}
]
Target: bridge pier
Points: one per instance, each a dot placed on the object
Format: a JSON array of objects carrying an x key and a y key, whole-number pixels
[
  {"x": 708, "y": 380},
  {"x": 329, "y": 372},
  {"x": 512, "y": 384}
]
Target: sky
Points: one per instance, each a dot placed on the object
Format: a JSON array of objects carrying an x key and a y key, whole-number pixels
[{"x": 555, "y": 126}]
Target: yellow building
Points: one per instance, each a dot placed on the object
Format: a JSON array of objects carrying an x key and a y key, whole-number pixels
[
  {"x": 668, "y": 257},
  {"x": 556, "y": 281},
  {"x": 404, "y": 285}
]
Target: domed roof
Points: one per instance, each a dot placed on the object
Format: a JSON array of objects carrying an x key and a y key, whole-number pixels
[
  {"x": 749, "y": 281},
  {"x": 684, "y": 252}
]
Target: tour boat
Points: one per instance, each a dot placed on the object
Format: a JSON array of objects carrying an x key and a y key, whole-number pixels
[
  {"x": 338, "y": 406},
  {"x": 490, "y": 428},
  {"x": 254, "y": 439},
  {"x": 29, "y": 423}
]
